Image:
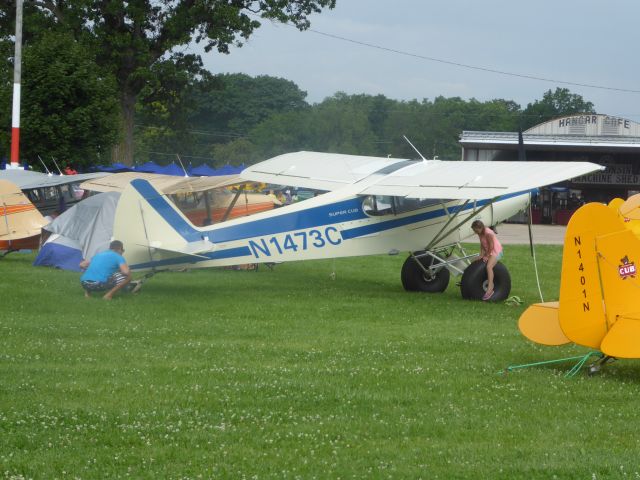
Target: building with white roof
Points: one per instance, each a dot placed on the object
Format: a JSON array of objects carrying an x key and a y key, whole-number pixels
[{"x": 610, "y": 141}]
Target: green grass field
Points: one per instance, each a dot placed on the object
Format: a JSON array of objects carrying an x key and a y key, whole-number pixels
[{"x": 292, "y": 374}]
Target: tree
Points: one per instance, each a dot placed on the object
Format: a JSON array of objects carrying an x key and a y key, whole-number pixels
[
  {"x": 236, "y": 103},
  {"x": 554, "y": 104},
  {"x": 236, "y": 152},
  {"x": 164, "y": 109},
  {"x": 69, "y": 109},
  {"x": 130, "y": 37},
  {"x": 331, "y": 126},
  {"x": 199, "y": 116}
]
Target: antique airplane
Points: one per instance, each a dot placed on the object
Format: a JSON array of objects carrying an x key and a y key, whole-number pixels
[
  {"x": 372, "y": 206},
  {"x": 20, "y": 221},
  {"x": 599, "y": 304}
]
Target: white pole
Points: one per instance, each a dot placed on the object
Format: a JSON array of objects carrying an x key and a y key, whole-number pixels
[{"x": 17, "y": 73}]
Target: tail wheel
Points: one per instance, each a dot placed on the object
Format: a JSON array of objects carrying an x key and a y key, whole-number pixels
[
  {"x": 415, "y": 279},
  {"x": 474, "y": 282}
]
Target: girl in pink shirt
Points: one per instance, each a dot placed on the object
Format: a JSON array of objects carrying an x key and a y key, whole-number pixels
[{"x": 490, "y": 252}]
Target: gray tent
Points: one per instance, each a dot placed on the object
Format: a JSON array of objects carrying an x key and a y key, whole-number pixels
[{"x": 81, "y": 232}]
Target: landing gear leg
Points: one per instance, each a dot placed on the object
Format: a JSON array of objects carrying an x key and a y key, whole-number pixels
[{"x": 595, "y": 367}]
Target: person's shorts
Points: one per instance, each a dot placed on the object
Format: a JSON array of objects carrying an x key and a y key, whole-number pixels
[
  {"x": 500, "y": 255},
  {"x": 115, "y": 279}
]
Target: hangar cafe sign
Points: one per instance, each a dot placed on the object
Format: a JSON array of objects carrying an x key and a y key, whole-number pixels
[
  {"x": 619, "y": 174},
  {"x": 592, "y": 125},
  {"x": 607, "y": 121}
]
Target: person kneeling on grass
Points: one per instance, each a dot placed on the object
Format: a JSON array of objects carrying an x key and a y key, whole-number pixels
[
  {"x": 490, "y": 252},
  {"x": 108, "y": 271}
]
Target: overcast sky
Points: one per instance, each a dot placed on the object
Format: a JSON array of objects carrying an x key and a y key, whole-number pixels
[{"x": 586, "y": 42}]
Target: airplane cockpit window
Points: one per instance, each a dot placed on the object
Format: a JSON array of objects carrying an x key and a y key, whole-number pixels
[{"x": 377, "y": 205}]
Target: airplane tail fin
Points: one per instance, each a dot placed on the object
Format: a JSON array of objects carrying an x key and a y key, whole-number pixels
[
  {"x": 582, "y": 313},
  {"x": 153, "y": 230},
  {"x": 19, "y": 218},
  {"x": 590, "y": 295}
]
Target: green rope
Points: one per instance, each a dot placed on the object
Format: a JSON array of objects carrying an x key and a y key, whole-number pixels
[
  {"x": 513, "y": 301},
  {"x": 582, "y": 359}
]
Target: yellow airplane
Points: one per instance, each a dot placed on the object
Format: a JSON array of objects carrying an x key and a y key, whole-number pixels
[
  {"x": 599, "y": 304},
  {"x": 20, "y": 222}
]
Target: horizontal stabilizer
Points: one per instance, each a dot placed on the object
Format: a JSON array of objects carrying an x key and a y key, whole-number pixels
[
  {"x": 540, "y": 324},
  {"x": 194, "y": 249},
  {"x": 622, "y": 339}
]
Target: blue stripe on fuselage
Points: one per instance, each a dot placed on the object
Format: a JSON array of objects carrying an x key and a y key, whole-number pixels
[
  {"x": 166, "y": 210},
  {"x": 339, "y": 212}
]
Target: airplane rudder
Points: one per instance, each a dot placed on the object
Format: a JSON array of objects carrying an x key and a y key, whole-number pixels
[{"x": 151, "y": 214}]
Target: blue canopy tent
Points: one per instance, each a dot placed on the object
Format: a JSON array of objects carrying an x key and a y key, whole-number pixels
[
  {"x": 204, "y": 170},
  {"x": 149, "y": 167},
  {"x": 229, "y": 170},
  {"x": 114, "y": 168},
  {"x": 172, "y": 169}
]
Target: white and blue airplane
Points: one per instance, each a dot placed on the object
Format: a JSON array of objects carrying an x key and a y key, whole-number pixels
[{"x": 372, "y": 206}]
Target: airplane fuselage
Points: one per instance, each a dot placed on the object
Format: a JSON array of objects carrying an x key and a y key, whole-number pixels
[{"x": 335, "y": 224}]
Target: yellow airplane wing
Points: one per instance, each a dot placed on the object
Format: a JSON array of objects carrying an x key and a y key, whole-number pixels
[
  {"x": 615, "y": 204},
  {"x": 631, "y": 207}
]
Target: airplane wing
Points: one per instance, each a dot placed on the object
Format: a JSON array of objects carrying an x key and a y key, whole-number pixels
[
  {"x": 414, "y": 179},
  {"x": 169, "y": 184},
  {"x": 315, "y": 170},
  {"x": 27, "y": 179},
  {"x": 118, "y": 181},
  {"x": 201, "y": 184},
  {"x": 457, "y": 180}
]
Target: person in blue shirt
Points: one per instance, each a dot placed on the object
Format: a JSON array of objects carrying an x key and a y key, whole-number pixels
[{"x": 108, "y": 271}]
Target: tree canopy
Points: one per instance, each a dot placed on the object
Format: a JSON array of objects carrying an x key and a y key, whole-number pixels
[
  {"x": 360, "y": 124},
  {"x": 131, "y": 39},
  {"x": 70, "y": 109},
  {"x": 555, "y": 104}
]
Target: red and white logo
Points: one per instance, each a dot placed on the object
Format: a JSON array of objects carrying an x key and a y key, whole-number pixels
[{"x": 627, "y": 269}]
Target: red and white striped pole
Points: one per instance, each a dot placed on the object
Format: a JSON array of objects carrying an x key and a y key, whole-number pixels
[{"x": 17, "y": 73}]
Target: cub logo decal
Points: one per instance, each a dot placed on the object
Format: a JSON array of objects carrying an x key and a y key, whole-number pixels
[{"x": 627, "y": 269}]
